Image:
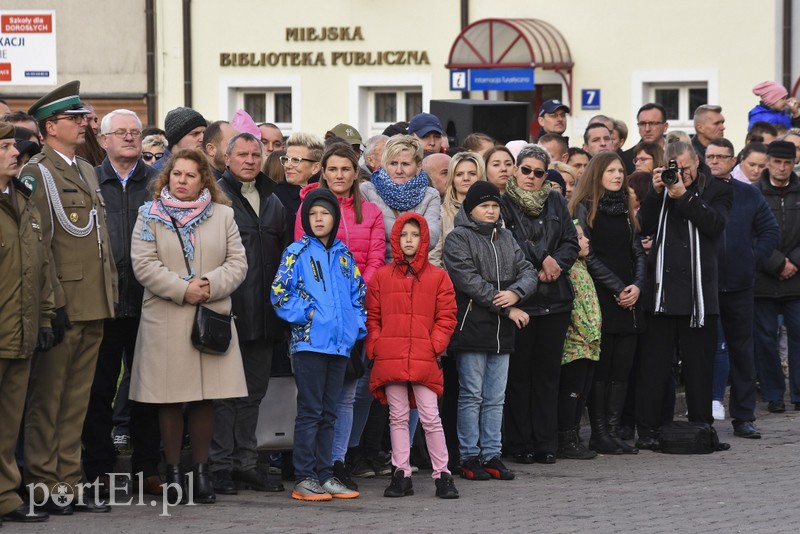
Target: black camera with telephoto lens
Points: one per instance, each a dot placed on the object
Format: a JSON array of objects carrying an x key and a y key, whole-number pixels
[{"x": 671, "y": 174}]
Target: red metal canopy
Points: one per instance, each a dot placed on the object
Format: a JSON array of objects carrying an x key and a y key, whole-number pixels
[{"x": 512, "y": 43}]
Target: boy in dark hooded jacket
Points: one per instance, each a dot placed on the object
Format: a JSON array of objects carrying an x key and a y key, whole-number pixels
[{"x": 490, "y": 275}]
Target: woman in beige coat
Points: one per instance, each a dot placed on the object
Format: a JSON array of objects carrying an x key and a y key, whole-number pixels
[{"x": 167, "y": 369}]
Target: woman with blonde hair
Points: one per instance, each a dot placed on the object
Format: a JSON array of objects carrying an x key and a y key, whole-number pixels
[
  {"x": 465, "y": 169},
  {"x": 569, "y": 174}
]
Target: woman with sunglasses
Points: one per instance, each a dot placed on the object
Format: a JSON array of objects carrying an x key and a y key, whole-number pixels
[
  {"x": 153, "y": 148},
  {"x": 616, "y": 262},
  {"x": 538, "y": 218}
]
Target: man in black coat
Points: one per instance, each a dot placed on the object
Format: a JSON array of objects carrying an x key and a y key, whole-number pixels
[
  {"x": 681, "y": 294},
  {"x": 262, "y": 224},
  {"x": 749, "y": 239},
  {"x": 124, "y": 182},
  {"x": 777, "y": 288}
]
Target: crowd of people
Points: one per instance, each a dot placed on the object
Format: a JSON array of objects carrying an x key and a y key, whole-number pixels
[{"x": 450, "y": 308}]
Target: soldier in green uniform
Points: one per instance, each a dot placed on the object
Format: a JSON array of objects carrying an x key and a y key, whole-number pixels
[
  {"x": 27, "y": 297},
  {"x": 67, "y": 193}
]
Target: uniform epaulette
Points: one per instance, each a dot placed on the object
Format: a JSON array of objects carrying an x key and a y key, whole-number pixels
[
  {"x": 37, "y": 158},
  {"x": 22, "y": 188}
]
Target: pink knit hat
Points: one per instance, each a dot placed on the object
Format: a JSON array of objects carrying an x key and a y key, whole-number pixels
[
  {"x": 245, "y": 124},
  {"x": 770, "y": 92}
]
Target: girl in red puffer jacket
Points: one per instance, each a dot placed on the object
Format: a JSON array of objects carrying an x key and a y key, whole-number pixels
[{"x": 411, "y": 314}]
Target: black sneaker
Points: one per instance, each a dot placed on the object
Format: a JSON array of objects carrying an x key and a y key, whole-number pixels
[
  {"x": 400, "y": 486},
  {"x": 446, "y": 487},
  {"x": 471, "y": 469},
  {"x": 256, "y": 480},
  {"x": 363, "y": 468},
  {"x": 497, "y": 470},
  {"x": 340, "y": 472},
  {"x": 223, "y": 483}
]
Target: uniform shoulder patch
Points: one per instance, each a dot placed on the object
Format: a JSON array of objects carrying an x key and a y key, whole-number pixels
[{"x": 29, "y": 182}]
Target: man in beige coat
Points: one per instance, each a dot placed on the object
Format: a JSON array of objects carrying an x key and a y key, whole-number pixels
[
  {"x": 67, "y": 193},
  {"x": 27, "y": 298}
]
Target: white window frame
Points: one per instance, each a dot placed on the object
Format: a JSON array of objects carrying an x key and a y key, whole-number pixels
[
  {"x": 361, "y": 89},
  {"x": 643, "y": 82},
  {"x": 232, "y": 89}
]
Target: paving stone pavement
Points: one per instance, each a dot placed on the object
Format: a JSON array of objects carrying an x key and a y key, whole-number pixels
[{"x": 753, "y": 487}]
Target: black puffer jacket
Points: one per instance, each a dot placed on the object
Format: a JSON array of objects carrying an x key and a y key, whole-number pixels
[
  {"x": 785, "y": 206},
  {"x": 483, "y": 258},
  {"x": 553, "y": 234},
  {"x": 264, "y": 236},
  {"x": 122, "y": 210}
]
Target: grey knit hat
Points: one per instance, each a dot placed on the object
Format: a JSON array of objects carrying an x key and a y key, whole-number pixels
[{"x": 181, "y": 121}]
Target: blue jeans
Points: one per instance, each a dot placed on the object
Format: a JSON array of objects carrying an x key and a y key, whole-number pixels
[
  {"x": 362, "y": 402},
  {"x": 344, "y": 419},
  {"x": 319, "y": 379},
  {"x": 482, "y": 381},
  {"x": 722, "y": 365},
  {"x": 768, "y": 363}
]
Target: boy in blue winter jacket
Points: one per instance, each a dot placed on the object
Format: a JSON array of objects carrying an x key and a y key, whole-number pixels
[{"x": 320, "y": 292}]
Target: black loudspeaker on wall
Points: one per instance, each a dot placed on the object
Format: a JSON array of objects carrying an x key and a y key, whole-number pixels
[{"x": 504, "y": 121}]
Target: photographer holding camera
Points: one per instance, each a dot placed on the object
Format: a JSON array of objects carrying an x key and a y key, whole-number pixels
[{"x": 687, "y": 211}]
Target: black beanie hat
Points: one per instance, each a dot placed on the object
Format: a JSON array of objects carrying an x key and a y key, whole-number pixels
[
  {"x": 325, "y": 198},
  {"x": 181, "y": 121},
  {"x": 478, "y": 193},
  {"x": 781, "y": 149},
  {"x": 555, "y": 176}
]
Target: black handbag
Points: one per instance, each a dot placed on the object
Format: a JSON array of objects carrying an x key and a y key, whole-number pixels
[
  {"x": 684, "y": 437},
  {"x": 355, "y": 363},
  {"x": 211, "y": 331}
]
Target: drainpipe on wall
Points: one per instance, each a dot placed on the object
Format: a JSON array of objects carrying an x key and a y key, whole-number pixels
[
  {"x": 187, "y": 53},
  {"x": 787, "y": 43},
  {"x": 464, "y": 24},
  {"x": 150, "y": 28}
]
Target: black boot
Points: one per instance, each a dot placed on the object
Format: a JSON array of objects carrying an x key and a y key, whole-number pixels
[
  {"x": 569, "y": 446},
  {"x": 174, "y": 478},
  {"x": 616, "y": 402},
  {"x": 203, "y": 488},
  {"x": 600, "y": 440}
]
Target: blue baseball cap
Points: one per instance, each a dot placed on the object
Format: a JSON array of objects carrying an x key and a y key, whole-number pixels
[
  {"x": 423, "y": 124},
  {"x": 550, "y": 106}
]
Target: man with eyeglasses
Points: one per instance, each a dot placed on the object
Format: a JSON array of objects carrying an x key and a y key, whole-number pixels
[
  {"x": 709, "y": 123},
  {"x": 680, "y": 297},
  {"x": 124, "y": 182},
  {"x": 652, "y": 122},
  {"x": 552, "y": 117},
  {"x": 750, "y": 236},
  {"x": 67, "y": 193},
  {"x": 777, "y": 289}
]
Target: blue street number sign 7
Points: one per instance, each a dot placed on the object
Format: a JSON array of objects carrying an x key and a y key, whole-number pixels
[{"x": 590, "y": 98}]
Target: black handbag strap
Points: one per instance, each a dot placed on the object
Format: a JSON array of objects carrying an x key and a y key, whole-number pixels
[{"x": 183, "y": 248}]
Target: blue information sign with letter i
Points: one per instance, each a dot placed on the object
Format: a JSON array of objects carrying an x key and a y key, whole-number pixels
[
  {"x": 590, "y": 98},
  {"x": 459, "y": 80}
]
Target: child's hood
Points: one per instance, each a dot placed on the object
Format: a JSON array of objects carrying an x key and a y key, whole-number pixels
[
  {"x": 421, "y": 257},
  {"x": 325, "y": 198}
]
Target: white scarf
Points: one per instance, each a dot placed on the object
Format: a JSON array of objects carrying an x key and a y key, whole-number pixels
[{"x": 698, "y": 305}]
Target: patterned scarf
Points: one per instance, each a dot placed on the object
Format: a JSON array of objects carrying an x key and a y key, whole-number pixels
[
  {"x": 530, "y": 202},
  {"x": 401, "y": 197},
  {"x": 614, "y": 202},
  {"x": 188, "y": 215}
]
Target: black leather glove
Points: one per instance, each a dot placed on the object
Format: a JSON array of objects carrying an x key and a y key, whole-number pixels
[
  {"x": 60, "y": 325},
  {"x": 46, "y": 339}
]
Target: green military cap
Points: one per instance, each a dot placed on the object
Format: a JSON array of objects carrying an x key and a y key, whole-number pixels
[
  {"x": 6, "y": 130},
  {"x": 64, "y": 100}
]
